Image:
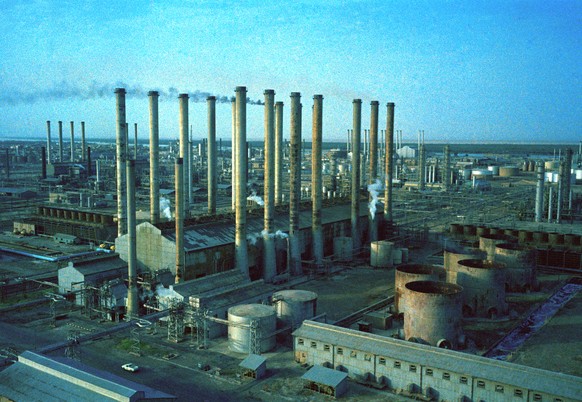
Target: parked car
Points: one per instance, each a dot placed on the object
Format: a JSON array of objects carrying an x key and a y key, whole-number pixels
[{"x": 130, "y": 367}]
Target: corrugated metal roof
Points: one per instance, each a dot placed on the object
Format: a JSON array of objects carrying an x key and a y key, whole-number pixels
[
  {"x": 325, "y": 376},
  {"x": 222, "y": 280},
  {"x": 100, "y": 265},
  {"x": 253, "y": 362},
  {"x": 463, "y": 363}
]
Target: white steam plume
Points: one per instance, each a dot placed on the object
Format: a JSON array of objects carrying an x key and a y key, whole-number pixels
[
  {"x": 165, "y": 208},
  {"x": 374, "y": 190},
  {"x": 254, "y": 197}
]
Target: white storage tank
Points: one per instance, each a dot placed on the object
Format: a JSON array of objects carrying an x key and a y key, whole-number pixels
[
  {"x": 343, "y": 249},
  {"x": 381, "y": 254},
  {"x": 242, "y": 318},
  {"x": 294, "y": 306}
]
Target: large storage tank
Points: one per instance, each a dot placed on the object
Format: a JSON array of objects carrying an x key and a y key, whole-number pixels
[
  {"x": 242, "y": 318},
  {"x": 519, "y": 263},
  {"x": 294, "y": 306},
  {"x": 483, "y": 285},
  {"x": 434, "y": 313},
  {"x": 551, "y": 165},
  {"x": 412, "y": 273},
  {"x": 454, "y": 253},
  {"x": 343, "y": 248},
  {"x": 508, "y": 171},
  {"x": 487, "y": 243},
  {"x": 381, "y": 254}
]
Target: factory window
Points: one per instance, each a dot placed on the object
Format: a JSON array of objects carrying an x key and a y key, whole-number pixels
[
  {"x": 463, "y": 380},
  {"x": 537, "y": 397},
  {"x": 367, "y": 357},
  {"x": 499, "y": 388},
  {"x": 340, "y": 351},
  {"x": 382, "y": 361},
  {"x": 353, "y": 353},
  {"x": 412, "y": 368},
  {"x": 429, "y": 372},
  {"x": 397, "y": 365},
  {"x": 446, "y": 376},
  {"x": 480, "y": 384},
  {"x": 313, "y": 344},
  {"x": 326, "y": 348},
  {"x": 518, "y": 393},
  {"x": 300, "y": 341}
]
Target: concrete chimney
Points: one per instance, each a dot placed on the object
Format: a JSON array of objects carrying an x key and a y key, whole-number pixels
[
  {"x": 270, "y": 261},
  {"x": 180, "y": 199},
  {"x": 83, "y": 141},
  {"x": 48, "y": 140},
  {"x": 373, "y": 167},
  {"x": 278, "y": 153},
  {"x": 60, "y": 141},
  {"x": 550, "y": 196},
  {"x": 154, "y": 158},
  {"x": 316, "y": 180},
  {"x": 121, "y": 155},
  {"x": 72, "y": 142},
  {"x": 184, "y": 154},
  {"x": 89, "y": 167},
  {"x": 240, "y": 236},
  {"x": 234, "y": 153},
  {"x": 355, "y": 209},
  {"x": 447, "y": 170},
  {"x": 135, "y": 141},
  {"x": 421, "y": 168},
  {"x": 540, "y": 191},
  {"x": 295, "y": 185},
  {"x": 560, "y": 194},
  {"x": 43, "y": 164},
  {"x": 389, "y": 163},
  {"x": 97, "y": 172},
  {"x": 212, "y": 159},
  {"x": 132, "y": 298},
  {"x": 567, "y": 177}
]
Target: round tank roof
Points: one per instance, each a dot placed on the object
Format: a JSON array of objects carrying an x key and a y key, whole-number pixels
[
  {"x": 482, "y": 264},
  {"x": 416, "y": 268},
  {"x": 295, "y": 295},
  {"x": 251, "y": 310},
  {"x": 433, "y": 287}
]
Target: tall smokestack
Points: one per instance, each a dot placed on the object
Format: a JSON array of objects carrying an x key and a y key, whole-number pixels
[
  {"x": 447, "y": 170},
  {"x": 60, "y": 141},
  {"x": 295, "y": 185},
  {"x": 560, "y": 194},
  {"x": 43, "y": 159},
  {"x": 180, "y": 199},
  {"x": 132, "y": 300},
  {"x": 316, "y": 180},
  {"x": 567, "y": 176},
  {"x": 72, "y": 141},
  {"x": 212, "y": 160},
  {"x": 421, "y": 168},
  {"x": 540, "y": 191},
  {"x": 89, "y": 166},
  {"x": 48, "y": 140},
  {"x": 373, "y": 169},
  {"x": 278, "y": 153},
  {"x": 389, "y": 165},
  {"x": 184, "y": 154},
  {"x": 135, "y": 141},
  {"x": 154, "y": 158},
  {"x": 83, "y": 141},
  {"x": 270, "y": 262},
  {"x": 234, "y": 153},
  {"x": 355, "y": 210},
  {"x": 240, "y": 236},
  {"x": 121, "y": 149},
  {"x": 550, "y": 196}
]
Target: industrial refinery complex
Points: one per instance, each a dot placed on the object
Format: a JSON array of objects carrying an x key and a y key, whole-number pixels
[{"x": 287, "y": 269}]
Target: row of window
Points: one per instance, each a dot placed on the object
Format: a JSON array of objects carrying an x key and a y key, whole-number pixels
[{"x": 428, "y": 372}]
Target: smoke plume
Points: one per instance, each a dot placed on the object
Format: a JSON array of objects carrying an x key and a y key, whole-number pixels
[
  {"x": 165, "y": 208},
  {"x": 254, "y": 197},
  {"x": 65, "y": 90},
  {"x": 374, "y": 190}
]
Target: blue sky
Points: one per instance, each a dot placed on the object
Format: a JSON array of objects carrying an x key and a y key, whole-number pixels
[{"x": 459, "y": 70}]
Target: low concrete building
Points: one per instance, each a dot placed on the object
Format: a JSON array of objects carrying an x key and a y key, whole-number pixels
[
  {"x": 254, "y": 366},
  {"x": 441, "y": 374},
  {"x": 326, "y": 381},
  {"x": 37, "y": 377}
]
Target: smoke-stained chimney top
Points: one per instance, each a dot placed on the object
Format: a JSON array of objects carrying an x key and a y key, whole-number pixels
[
  {"x": 357, "y": 101},
  {"x": 153, "y": 93},
  {"x": 269, "y": 91},
  {"x": 317, "y": 96},
  {"x": 183, "y": 96},
  {"x": 391, "y": 104},
  {"x": 240, "y": 89},
  {"x": 211, "y": 98},
  {"x": 119, "y": 90},
  {"x": 296, "y": 94},
  {"x": 374, "y": 103}
]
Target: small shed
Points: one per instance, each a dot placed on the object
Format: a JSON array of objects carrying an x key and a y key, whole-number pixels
[
  {"x": 66, "y": 238},
  {"x": 326, "y": 381},
  {"x": 254, "y": 366}
]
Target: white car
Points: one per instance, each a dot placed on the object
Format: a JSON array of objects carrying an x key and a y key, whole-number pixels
[{"x": 130, "y": 367}]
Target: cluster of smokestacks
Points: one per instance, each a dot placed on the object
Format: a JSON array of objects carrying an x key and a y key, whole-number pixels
[{"x": 60, "y": 143}]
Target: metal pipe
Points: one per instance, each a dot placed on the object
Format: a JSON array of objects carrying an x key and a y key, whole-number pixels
[
  {"x": 539, "y": 191},
  {"x": 60, "y": 141},
  {"x": 43, "y": 163},
  {"x": 421, "y": 168},
  {"x": 121, "y": 155},
  {"x": 270, "y": 261},
  {"x": 389, "y": 165},
  {"x": 183, "y": 102},
  {"x": 132, "y": 299},
  {"x": 72, "y": 142},
  {"x": 89, "y": 166},
  {"x": 560, "y": 195},
  {"x": 212, "y": 160},
  {"x": 316, "y": 180},
  {"x": 154, "y": 158},
  {"x": 48, "y": 140},
  {"x": 355, "y": 207},
  {"x": 234, "y": 154},
  {"x": 550, "y": 204},
  {"x": 278, "y": 153},
  {"x": 179, "y": 224},
  {"x": 135, "y": 141},
  {"x": 83, "y": 141},
  {"x": 295, "y": 184},
  {"x": 240, "y": 236},
  {"x": 567, "y": 176}
]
